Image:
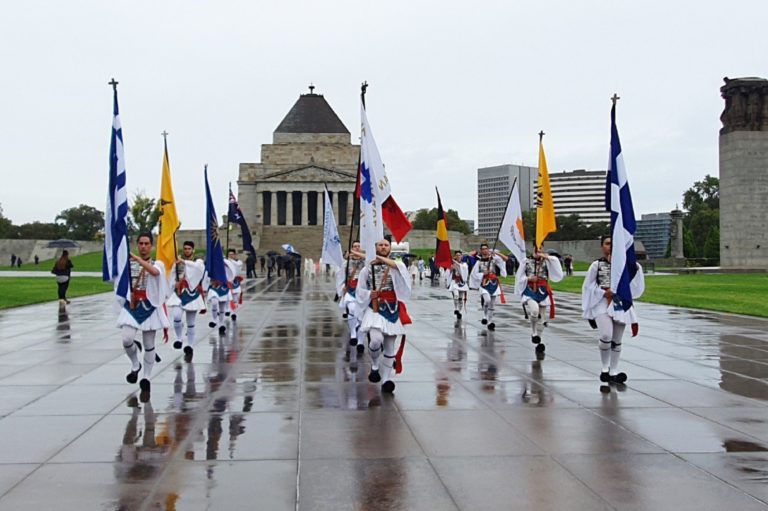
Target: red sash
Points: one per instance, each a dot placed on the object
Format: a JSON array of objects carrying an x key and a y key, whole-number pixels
[
  {"x": 391, "y": 298},
  {"x": 351, "y": 283},
  {"x": 545, "y": 284}
]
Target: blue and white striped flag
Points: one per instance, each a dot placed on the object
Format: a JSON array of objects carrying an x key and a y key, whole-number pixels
[
  {"x": 115, "y": 267},
  {"x": 618, "y": 201}
]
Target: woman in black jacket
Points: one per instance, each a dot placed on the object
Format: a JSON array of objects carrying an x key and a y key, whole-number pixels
[{"x": 63, "y": 270}]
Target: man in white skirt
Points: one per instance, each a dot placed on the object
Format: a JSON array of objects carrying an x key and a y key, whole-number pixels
[
  {"x": 532, "y": 284},
  {"x": 234, "y": 269},
  {"x": 382, "y": 289},
  {"x": 604, "y": 311},
  {"x": 187, "y": 300},
  {"x": 485, "y": 275},
  {"x": 347, "y": 290},
  {"x": 144, "y": 312},
  {"x": 457, "y": 284},
  {"x": 219, "y": 296}
]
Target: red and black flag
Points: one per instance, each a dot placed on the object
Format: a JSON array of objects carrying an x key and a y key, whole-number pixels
[{"x": 442, "y": 246}]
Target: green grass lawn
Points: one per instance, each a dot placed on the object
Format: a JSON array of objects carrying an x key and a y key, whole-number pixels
[
  {"x": 737, "y": 293},
  {"x": 17, "y": 291}
]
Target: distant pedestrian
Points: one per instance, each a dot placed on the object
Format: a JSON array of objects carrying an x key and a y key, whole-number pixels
[
  {"x": 421, "y": 268},
  {"x": 263, "y": 262},
  {"x": 270, "y": 266},
  {"x": 568, "y": 261},
  {"x": 37, "y": 260},
  {"x": 250, "y": 266},
  {"x": 18, "y": 262},
  {"x": 13, "y": 260},
  {"x": 63, "y": 271}
]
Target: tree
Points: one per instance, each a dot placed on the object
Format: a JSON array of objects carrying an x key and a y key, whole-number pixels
[
  {"x": 82, "y": 222},
  {"x": 143, "y": 214},
  {"x": 41, "y": 231},
  {"x": 427, "y": 219},
  {"x": 702, "y": 219},
  {"x": 7, "y": 229},
  {"x": 705, "y": 193}
]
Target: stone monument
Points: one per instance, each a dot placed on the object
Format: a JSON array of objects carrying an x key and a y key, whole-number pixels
[
  {"x": 282, "y": 196},
  {"x": 744, "y": 174}
]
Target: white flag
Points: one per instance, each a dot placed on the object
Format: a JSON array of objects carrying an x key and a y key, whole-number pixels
[
  {"x": 332, "y": 253},
  {"x": 511, "y": 231}
]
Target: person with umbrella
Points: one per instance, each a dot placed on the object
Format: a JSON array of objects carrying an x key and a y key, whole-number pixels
[{"x": 63, "y": 271}]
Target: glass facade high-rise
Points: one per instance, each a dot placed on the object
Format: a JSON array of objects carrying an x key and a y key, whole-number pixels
[
  {"x": 654, "y": 231},
  {"x": 493, "y": 186}
]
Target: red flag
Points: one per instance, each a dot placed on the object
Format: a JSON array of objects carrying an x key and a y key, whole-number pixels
[
  {"x": 395, "y": 219},
  {"x": 442, "y": 245}
]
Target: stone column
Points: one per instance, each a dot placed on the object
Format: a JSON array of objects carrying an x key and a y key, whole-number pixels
[
  {"x": 288, "y": 208},
  {"x": 350, "y": 207},
  {"x": 744, "y": 174},
  {"x": 273, "y": 208},
  {"x": 260, "y": 207},
  {"x": 676, "y": 234},
  {"x": 320, "y": 202},
  {"x": 336, "y": 206},
  {"x": 304, "y": 208}
]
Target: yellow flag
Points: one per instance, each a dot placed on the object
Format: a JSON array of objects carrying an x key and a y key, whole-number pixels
[
  {"x": 545, "y": 208},
  {"x": 169, "y": 219}
]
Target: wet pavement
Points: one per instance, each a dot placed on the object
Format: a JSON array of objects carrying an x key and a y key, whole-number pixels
[{"x": 276, "y": 415}]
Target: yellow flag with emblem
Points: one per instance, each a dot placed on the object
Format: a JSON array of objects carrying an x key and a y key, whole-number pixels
[
  {"x": 169, "y": 219},
  {"x": 545, "y": 208}
]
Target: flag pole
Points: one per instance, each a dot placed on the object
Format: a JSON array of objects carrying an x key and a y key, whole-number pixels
[
  {"x": 356, "y": 202},
  {"x": 230, "y": 194},
  {"x": 498, "y": 231}
]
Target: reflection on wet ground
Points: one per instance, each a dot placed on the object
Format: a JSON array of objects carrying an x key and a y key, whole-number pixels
[{"x": 279, "y": 412}]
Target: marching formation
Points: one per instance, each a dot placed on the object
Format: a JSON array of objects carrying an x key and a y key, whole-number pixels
[{"x": 372, "y": 287}]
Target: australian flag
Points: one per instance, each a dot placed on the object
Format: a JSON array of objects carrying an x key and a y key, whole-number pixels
[
  {"x": 235, "y": 215},
  {"x": 115, "y": 263},
  {"x": 214, "y": 259},
  {"x": 618, "y": 201}
]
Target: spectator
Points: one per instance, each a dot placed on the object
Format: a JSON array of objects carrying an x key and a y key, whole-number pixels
[
  {"x": 263, "y": 262},
  {"x": 18, "y": 262},
  {"x": 37, "y": 260},
  {"x": 270, "y": 266},
  {"x": 250, "y": 266},
  {"x": 63, "y": 270},
  {"x": 13, "y": 260}
]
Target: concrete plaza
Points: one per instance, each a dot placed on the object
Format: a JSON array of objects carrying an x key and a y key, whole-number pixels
[{"x": 276, "y": 414}]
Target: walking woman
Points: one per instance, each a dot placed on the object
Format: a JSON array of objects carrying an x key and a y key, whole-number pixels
[{"x": 63, "y": 269}]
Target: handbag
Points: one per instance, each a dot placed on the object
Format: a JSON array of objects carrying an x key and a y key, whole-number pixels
[{"x": 61, "y": 279}]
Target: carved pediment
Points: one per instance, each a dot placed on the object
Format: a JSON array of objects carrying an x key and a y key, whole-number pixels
[{"x": 310, "y": 174}]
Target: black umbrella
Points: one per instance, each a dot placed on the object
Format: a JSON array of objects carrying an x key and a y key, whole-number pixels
[
  {"x": 62, "y": 243},
  {"x": 272, "y": 253}
]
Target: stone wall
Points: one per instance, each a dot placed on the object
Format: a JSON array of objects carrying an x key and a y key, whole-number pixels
[
  {"x": 28, "y": 249},
  {"x": 744, "y": 199}
]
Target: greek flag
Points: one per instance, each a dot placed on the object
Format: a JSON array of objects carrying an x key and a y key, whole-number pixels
[
  {"x": 618, "y": 201},
  {"x": 115, "y": 262}
]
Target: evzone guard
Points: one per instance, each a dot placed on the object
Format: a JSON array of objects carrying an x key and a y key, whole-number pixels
[
  {"x": 604, "y": 311},
  {"x": 532, "y": 284},
  {"x": 485, "y": 277},
  {"x": 186, "y": 302},
  {"x": 234, "y": 269},
  {"x": 457, "y": 279},
  {"x": 347, "y": 290},
  {"x": 382, "y": 289},
  {"x": 143, "y": 312},
  {"x": 219, "y": 296}
]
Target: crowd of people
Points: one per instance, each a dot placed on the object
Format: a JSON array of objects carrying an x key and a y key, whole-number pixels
[{"x": 372, "y": 296}]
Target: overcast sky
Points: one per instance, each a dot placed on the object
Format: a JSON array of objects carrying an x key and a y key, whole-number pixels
[{"x": 453, "y": 86}]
